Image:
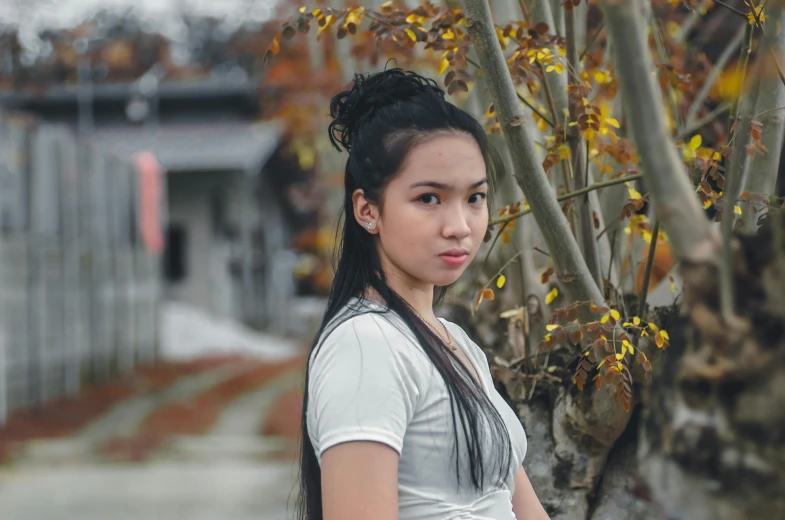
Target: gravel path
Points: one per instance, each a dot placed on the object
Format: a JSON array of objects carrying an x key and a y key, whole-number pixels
[{"x": 233, "y": 489}]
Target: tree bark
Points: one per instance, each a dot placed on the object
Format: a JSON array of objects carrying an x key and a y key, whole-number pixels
[
  {"x": 566, "y": 255},
  {"x": 675, "y": 202},
  {"x": 580, "y": 160},
  {"x": 761, "y": 177}
]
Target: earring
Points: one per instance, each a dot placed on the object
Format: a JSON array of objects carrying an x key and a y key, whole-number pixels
[{"x": 370, "y": 225}]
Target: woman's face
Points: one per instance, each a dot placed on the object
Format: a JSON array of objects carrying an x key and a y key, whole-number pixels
[{"x": 434, "y": 215}]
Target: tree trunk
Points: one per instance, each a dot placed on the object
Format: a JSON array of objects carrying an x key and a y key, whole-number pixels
[
  {"x": 568, "y": 262},
  {"x": 712, "y": 430},
  {"x": 764, "y": 167},
  {"x": 674, "y": 200},
  {"x": 713, "y": 441}
]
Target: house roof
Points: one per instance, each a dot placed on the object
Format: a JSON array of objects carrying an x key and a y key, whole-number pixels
[
  {"x": 197, "y": 90},
  {"x": 197, "y": 147}
]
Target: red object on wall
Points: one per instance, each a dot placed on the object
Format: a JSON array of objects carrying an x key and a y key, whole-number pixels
[{"x": 150, "y": 200}]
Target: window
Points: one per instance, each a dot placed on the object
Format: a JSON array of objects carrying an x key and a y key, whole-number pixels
[{"x": 175, "y": 254}]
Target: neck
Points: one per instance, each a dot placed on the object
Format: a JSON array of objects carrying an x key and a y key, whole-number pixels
[{"x": 416, "y": 293}]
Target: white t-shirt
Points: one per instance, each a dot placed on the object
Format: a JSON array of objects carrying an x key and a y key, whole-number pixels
[{"x": 371, "y": 381}]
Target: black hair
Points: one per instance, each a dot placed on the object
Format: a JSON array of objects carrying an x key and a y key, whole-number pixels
[{"x": 378, "y": 121}]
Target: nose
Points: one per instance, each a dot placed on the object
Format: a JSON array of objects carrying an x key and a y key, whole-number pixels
[{"x": 456, "y": 222}]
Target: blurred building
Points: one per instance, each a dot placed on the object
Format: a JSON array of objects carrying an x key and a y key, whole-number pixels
[{"x": 228, "y": 218}]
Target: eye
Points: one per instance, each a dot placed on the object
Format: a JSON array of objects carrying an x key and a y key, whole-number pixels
[
  {"x": 477, "y": 198},
  {"x": 428, "y": 199}
]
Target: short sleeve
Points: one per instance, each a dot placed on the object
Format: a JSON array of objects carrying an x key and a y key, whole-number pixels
[{"x": 363, "y": 385}]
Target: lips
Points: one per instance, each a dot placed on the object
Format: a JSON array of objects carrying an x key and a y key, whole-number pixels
[
  {"x": 455, "y": 257},
  {"x": 455, "y": 252}
]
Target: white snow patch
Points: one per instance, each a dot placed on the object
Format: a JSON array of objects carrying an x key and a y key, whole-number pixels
[{"x": 188, "y": 332}]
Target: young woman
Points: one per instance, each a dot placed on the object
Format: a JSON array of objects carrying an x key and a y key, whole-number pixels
[{"x": 401, "y": 419}]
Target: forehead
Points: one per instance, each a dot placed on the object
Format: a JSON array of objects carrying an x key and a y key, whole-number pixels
[{"x": 451, "y": 158}]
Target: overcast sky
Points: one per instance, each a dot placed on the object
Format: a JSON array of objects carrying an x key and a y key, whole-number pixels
[{"x": 34, "y": 15}]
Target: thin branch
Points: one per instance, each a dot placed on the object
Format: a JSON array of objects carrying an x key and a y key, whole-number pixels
[
  {"x": 591, "y": 42},
  {"x": 525, "y": 10},
  {"x": 767, "y": 111},
  {"x": 734, "y": 176},
  {"x": 690, "y": 22},
  {"x": 523, "y": 99},
  {"x": 663, "y": 56},
  {"x": 731, "y": 9},
  {"x": 490, "y": 249},
  {"x": 771, "y": 49},
  {"x": 548, "y": 93},
  {"x": 727, "y": 52},
  {"x": 492, "y": 278},
  {"x": 580, "y": 160},
  {"x": 567, "y": 196},
  {"x": 705, "y": 120},
  {"x": 655, "y": 233}
]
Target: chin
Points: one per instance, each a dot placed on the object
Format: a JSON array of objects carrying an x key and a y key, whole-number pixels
[{"x": 445, "y": 279}]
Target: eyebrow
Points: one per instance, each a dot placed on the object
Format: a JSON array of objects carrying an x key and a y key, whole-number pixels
[{"x": 446, "y": 187}]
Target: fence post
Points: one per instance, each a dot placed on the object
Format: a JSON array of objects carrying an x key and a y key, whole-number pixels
[{"x": 70, "y": 254}]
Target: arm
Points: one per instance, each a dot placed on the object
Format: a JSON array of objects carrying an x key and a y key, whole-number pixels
[
  {"x": 360, "y": 481},
  {"x": 525, "y": 503}
]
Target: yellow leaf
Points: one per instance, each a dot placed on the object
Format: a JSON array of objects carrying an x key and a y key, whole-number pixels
[
  {"x": 302, "y": 9},
  {"x": 604, "y": 319},
  {"x": 564, "y": 152},
  {"x": 695, "y": 141},
  {"x": 387, "y": 4},
  {"x": 664, "y": 335},
  {"x": 275, "y": 46},
  {"x": 707, "y": 204},
  {"x": 611, "y": 121},
  {"x": 558, "y": 68},
  {"x": 632, "y": 350},
  {"x": 619, "y": 356},
  {"x": 551, "y": 296},
  {"x": 634, "y": 194},
  {"x": 615, "y": 314},
  {"x": 654, "y": 327},
  {"x": 729, "y": 84},
  {"x": 548, "y": 338},
  {"x": 443, "y": 66},
  {"x": 751, "y": 15},
  {"x": 551, "y": 327},
  {"x": 500, "y": 281},
  {"x": 412, "y": 35},
  {"x": 636, "y": 320},
  {"x": 448, "y": 35},
  {"x": 506, "y": 237},
  {"x": 737, "y": 209}
]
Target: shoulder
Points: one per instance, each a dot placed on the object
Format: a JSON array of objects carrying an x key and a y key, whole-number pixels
[{"x": 369, "y": 338}]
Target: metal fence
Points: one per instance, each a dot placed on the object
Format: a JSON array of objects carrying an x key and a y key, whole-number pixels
[{"x": 78, "y": 290}]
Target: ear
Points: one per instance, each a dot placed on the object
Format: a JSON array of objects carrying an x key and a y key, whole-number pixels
[{"x": 365, "y": 212}]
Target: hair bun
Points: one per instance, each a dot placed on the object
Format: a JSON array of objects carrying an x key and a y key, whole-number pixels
[{"x": 350, "y": 108}]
